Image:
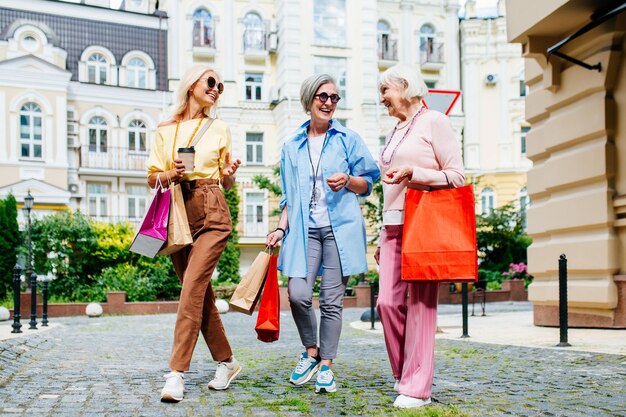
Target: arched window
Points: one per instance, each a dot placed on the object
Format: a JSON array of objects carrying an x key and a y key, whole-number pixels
[
  {"x": 385, "y": 49},
  {"x": 487, "y": 200},
  {"x": 97, "y": 68},
  {"x": 428, "y": 49},
  {"x": 98, "y": 132},
  {"x": 137, "y": 136},
  {"x": 203, "y": 30},
  {"x": 31, "y": 131},
  {"x": 254, "y": 32},
  {"x": 136, "y": 72}
]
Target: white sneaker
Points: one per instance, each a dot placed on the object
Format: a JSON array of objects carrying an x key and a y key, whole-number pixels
[
  {"x": 404, "y": 401},
  {"x": 174, "y": 387},
  {"x": 224, "y": 374},
  {"x": 396, "y": 386}
]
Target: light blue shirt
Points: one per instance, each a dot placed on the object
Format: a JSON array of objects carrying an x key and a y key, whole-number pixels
[{"x": 344, "y": 151}]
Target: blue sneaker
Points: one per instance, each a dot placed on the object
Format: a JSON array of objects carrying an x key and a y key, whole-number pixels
[
  {"x": 325, "y": 380},
  {"x": 305, "y": 369}
]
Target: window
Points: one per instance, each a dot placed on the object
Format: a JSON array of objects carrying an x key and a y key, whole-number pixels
[
  {"x": 203, "y": 30},
  {"x": 254, "y": 148},
  {"x": 487, "y": 200},
  {"x": 254, "y": 33},
  {"x": 254, "y": 85},
  {"x": 524, "y": 202},
  {"x": 523, "y": 88},
  {"x": 255, "y": 214},
  {"x": 336, "y": 67},
  {"x": 431, "y": 84},
  {"x": 137, "y": 136},
  {"x": 31, "y": 130},
  {"x": 525, "y": 130},
  {"x": 98, "y": 134},
  {"x": 137, "y": 73},
  {"x": 137, "y": 200},
  {"x": 98, "y": 200},
  {"x": 97, "y": 67},
  {"x": 429, "y": 52},
  {"x": 329, "y": 22},
  {"x": 386, "y": 48}
]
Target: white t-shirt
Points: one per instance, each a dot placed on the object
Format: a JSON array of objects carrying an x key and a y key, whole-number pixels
[{"x": 318, "y": 217}]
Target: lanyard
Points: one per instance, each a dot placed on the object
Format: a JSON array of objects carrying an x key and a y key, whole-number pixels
[{"x": 314, "y": 192}]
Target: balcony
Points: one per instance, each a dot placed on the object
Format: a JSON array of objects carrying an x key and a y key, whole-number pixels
[
  {"x": 256, "y": 227},
  {"x": 113, "y": 158},
  {"x": 255, "y": 45},
  {"x": 387, "y": 52},
  {"x": 431, "y": 56},
  {"x": 203, "y": 41}
]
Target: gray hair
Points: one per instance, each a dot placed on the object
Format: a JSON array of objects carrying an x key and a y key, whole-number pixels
[
  {"x": 406, "y": 76},
  {"x": 310, "y": 86}
]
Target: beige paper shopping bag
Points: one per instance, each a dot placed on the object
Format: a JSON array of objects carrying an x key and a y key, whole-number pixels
[
  {"x": 248, "y": 291},
  {"x": 178, "y": 233}
]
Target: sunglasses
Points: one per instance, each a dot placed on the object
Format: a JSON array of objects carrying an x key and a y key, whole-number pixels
[
  {"x": 334, "y": 98},
  {"x": 211, "y": 82}
]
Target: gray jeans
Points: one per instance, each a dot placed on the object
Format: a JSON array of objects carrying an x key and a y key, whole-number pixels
[{"x": 322, "y": 250}]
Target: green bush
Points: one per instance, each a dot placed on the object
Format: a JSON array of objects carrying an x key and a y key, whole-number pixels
[
  {"x": 228, "y": 265},
  {"x": 10, "y": 240}
]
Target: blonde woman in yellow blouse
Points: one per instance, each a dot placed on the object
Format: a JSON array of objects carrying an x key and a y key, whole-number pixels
[{"x": 209, "y": 221}]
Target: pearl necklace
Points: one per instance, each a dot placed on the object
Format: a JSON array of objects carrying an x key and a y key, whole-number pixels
[{"x": 395, "y": 129}]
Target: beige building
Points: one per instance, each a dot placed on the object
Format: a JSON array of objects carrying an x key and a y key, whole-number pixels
[
  {"x": 495, "y": 128},
  {"x": 265, "y": 49},
  {"x": 578, "y": 147},
  {"x": 82, "y": 88}
]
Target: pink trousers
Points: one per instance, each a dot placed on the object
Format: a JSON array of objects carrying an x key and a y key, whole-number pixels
[{"x": 408, "y": 312}]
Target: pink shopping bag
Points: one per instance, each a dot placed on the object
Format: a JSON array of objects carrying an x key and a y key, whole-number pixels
[{"x": 152, "y": 233}]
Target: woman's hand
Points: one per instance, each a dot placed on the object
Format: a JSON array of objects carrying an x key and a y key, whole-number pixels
[
  {"x": 337, "y": 181},
  {"x": 274, "y": 237},
  {"x": 397, "y": 175},
  {"x": 377, "y": 255},
  {"x": 230, "y": 167},
  {"x": 175, "y": 174}
]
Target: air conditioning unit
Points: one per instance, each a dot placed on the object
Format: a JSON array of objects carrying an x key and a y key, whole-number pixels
[
  {"x": 491, "y": 79},
  {"x": 272, "y": 42}
]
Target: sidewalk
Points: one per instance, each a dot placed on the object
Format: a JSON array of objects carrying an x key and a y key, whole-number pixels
[
  {"x": 501, "y": 326},
  {"x": 112, "y": 366}
]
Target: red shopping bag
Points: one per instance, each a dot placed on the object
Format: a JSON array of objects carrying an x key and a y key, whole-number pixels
[
  {"x": 439, "y": 236},
  {"x": 268, "y": 322}
]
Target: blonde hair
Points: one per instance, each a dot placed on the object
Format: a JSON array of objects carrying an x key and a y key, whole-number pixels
[
  {"x": 181, "y": 94},
  {"x": 407, "y": 76}
]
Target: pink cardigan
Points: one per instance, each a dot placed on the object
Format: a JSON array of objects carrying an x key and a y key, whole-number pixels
[{"x": 430, "y": 148}]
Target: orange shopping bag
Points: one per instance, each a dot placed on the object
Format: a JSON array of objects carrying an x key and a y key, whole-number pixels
[
  {"x": 268, "y": 322},
  {"x": 439, "y": 236}
]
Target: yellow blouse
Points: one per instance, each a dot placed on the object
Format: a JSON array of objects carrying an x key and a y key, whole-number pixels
[{"x": 210, "y": 154}]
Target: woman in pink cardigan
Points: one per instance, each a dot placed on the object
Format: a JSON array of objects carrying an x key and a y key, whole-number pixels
[{"x": 420, "y": 152}]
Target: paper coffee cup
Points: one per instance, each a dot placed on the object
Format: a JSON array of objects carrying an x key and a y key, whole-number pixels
[{"x": 187, "y": 155}]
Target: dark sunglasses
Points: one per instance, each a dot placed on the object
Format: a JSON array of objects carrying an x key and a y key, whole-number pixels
[
  {"x": 211, "y": 83},
  {"x": 334, "y": 98}
]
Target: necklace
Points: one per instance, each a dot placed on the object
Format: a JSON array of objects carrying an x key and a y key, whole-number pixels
[
  {"x": 395, "y": 129},
  {"x": 190, "y": 137},
  {"x": 315, "y": 194}
]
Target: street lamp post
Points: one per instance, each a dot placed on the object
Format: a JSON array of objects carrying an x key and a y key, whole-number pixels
[{"x": 29, "y": 273}]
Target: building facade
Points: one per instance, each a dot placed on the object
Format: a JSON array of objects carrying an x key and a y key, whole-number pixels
[
  {"x": 82, "y": 89},
  {"x": 576, "y": 104},
  {"x": 264, "y": 50},
  {"x": 494, "y": 88}
]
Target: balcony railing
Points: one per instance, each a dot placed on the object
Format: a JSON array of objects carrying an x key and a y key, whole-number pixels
[
  {"x": 203, "y": 35},
  {"x": 254, "y": 40},
  {"x": 258, "y": 226},
  {"x": 431, "y": 53},
  {"x": 114, "y": 158},
  {"x": 387, "y": 49}
]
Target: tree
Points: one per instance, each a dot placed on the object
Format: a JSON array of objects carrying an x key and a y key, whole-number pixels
[
  {"x": 9, "y": 243},
  {"x": 273, "y": 186},
  {"x": 501, "y": 238},
  {"x": 228, "y": 265},
  {"x": 374, "y": 210}
]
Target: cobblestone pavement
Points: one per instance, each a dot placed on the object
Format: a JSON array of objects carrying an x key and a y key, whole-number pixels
[{"x": 112, "y": 366}]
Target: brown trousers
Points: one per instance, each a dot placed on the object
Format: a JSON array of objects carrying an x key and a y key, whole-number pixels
[{"x": 210, "y": 224}]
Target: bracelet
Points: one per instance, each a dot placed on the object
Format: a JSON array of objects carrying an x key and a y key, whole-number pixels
[
  {"x": 282, "y": 230},
  {"x": 347, "y": 182}
]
